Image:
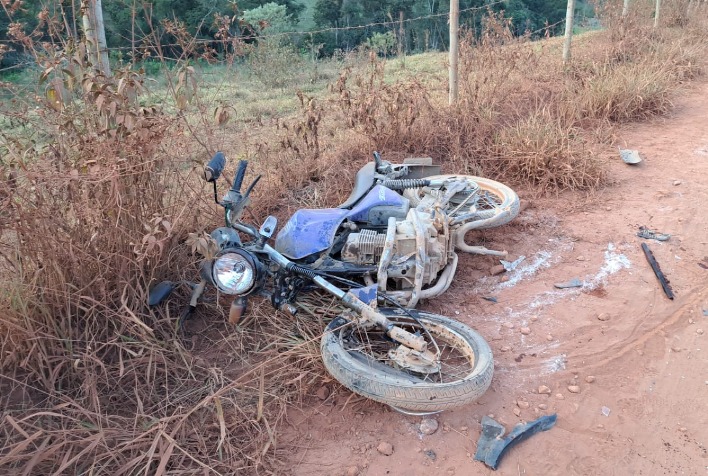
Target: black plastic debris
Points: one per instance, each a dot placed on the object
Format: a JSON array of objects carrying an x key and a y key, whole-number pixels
[
  {"x": 490, "y": 298},
  {"x": 492, "y": 445},
  {"x": 665, "y": 285}
]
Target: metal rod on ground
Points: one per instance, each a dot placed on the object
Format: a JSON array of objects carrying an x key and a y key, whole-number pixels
[
  {"x": 454, "y": 49},
  {"x": 568, "y": 30},
  {"x": 657, "y": 271}
]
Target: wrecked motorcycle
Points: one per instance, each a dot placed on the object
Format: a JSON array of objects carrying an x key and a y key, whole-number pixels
[{"x": 392, "y": 243}]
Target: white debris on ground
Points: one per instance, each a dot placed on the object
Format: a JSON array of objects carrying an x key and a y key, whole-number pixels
[
  {"x": 555, "y": 364},
  {"x": 614, "y": 262}
]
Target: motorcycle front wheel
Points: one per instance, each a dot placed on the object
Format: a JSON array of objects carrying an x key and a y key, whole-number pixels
[
  {"x": 359, "y": 360},
  {"x": 494, "y": 201}
]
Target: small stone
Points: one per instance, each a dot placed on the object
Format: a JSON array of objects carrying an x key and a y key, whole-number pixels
[
  {"x": 430, "y": 454},
  {"x": 580, "y": 258},
  {"x": 573, "y": 389},
  {"x": 675, "y": 348},
  {"x": 683, "y": 429},
  {"x": 699, "y": 332},
  {"x": 677, "y": 183},
  {"x": 352, "y": 471},
  {"x": 559, "y": 396},
  {"x": 590, "y": 379},
  {"x": 517, "y": 411},
  {"x": 504, "y": 278},
  {"x": 542, "y": 406},
  {"x": 428, "y": 426},
  {"x": 533, "y": 318},
  {"x": 691, "y": 321},
  {"x": 600, "y": 425},
  {"x": 323, "y": 392},
  {"x": 603, "y": 317},
  {"x": 385, "y": 448},
  {"x": 609, "y": 209},
  {"x": 525, "y": 331},
  {"x": 544, "y": 390},
  {"x": 549, "y": 337},
  {"x": 522, "y": 404},
  {"x": 464, "y": 428},
  {"x": 506, "y": 348},
  {"x": 497, "y": 270},
  {"x": 508, "y": 325}
]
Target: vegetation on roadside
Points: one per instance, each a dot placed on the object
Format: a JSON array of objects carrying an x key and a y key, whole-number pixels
[{"x": 100, "y": 186}]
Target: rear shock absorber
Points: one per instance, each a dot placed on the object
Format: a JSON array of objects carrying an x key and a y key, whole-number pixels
[{"x": 403, "y": 184}]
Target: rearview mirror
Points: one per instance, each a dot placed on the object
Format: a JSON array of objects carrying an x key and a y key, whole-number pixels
[{"x": 213, "y": 169}]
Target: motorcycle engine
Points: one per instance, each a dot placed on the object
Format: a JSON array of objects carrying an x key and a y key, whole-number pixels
[
  {"x": 418, "y": 228},
  {"x": 364, "y": 247}
]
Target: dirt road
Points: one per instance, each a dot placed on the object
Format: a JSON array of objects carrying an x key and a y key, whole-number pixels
[{"x": 628, "y": 348}]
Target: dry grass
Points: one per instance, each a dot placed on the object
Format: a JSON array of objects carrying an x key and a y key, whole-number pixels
[{"x": 94, "y": 381}]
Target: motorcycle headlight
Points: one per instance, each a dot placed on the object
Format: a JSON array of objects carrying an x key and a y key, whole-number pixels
[{"x": 235, "y": 272}]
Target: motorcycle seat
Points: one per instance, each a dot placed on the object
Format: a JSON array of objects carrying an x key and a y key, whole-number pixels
[{"x": 362, "y": 184}]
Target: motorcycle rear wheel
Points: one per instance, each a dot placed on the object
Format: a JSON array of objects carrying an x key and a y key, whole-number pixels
[
  {"x": 496, "y": 201},
  {"x": 358, "y": 360}
]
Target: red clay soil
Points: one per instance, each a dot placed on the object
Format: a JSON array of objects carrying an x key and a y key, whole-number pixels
[{"x": 626, "y": 347}]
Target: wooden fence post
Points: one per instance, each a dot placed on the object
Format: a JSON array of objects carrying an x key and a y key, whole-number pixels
[
  {"x": 568, "y": 30},
  {"x": 454, "y": 49}
]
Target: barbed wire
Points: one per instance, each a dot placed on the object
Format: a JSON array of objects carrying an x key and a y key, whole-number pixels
[{"x": 266, "y": 36}]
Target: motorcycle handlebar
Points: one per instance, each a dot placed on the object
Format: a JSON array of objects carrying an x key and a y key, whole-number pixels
[{"x": 240, "y": 173}]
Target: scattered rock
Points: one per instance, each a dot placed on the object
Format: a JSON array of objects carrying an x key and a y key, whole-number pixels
[
  {"x": 542, "y": 406},
  {"x": 544, "y": 390},
  {"x": 464, "y": 428},
  {"x": 580, "y": 258},
  {"x": 590, "y": 378},
  {"x": 549, "y": 337},
  {"x": 677, "y": 183},
  {"x": 506, "y": 348},
  {"x": 385, "y": 448},
  {"x": 603, "y": 316},
  {"x": 522, "y": 404},
  {"x": 559, "y": 396},
  {"x": 683, "y": 429},
  {"x": 323, "y": 392},
  {"x": 699, "y": 332},
  {"x": 675, "y": 348},
  {"x": 497, "y": 270},
  {"x": 533, "y": 318},
  {"x": 525, "y": 331},
  {"x": 430, "y": 454},
  {"x": 504, "y": 278},
  {"x": 573, "y": 389},
  {"x": 517, "y": 411},
  {"x": 352, "y": 470},
  {"x": 508, "y": 325},
  {"x": 428, "y": 426}
]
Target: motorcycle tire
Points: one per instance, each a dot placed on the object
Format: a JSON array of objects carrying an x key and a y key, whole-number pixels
[
  {"x": 380, "y": 380},
  {"x": 505, "y": 210}
]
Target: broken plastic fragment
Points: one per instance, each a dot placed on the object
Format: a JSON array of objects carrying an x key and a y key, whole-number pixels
[
  {"x": 491, "y": 445},
  {"x": 629, "y": 156},
  {"x": 511, "y": 265},
  {"x": 573, "y": 283},
  {"x": 605, "y": 411},
  {"x": 648, "y": 234}
]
